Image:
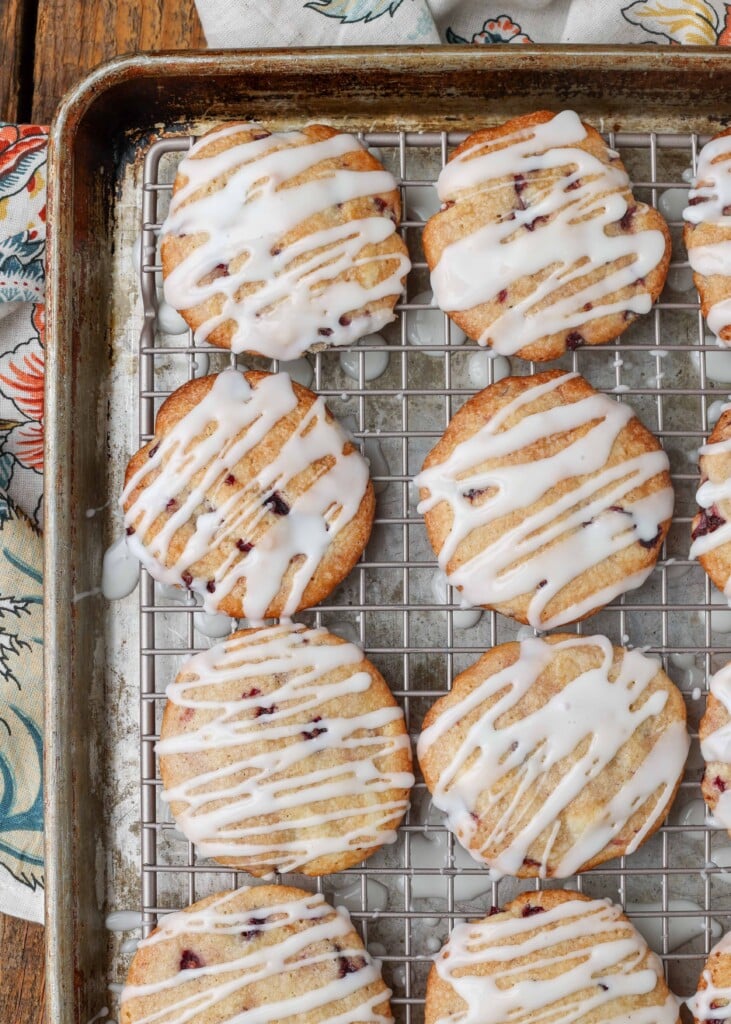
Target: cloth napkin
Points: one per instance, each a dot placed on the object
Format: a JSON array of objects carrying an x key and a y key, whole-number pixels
[
  {"x": 22, "y": 252},
  {"x": 232, "y": 23},
  {"x": 227, "y": 23}
]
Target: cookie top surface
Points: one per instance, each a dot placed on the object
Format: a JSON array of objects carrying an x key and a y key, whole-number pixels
[
  {"x": 261, "y": 955},
  {"x": 712, "y": 1002},
  {"x": 249, "y": 493},
  {"x": 283, "y": 749},
  {"x": 542, "y": 246},
  {"x": 515, "y": 528},
  {"x": 715, "y": 737},
  {"x": 707, "y": 233},
  {"x": 278, "y": 242},
  {"x": 553, "y": 755},
  {"x": 549, "y": 956},
  {"x": 711, "y": 527}
]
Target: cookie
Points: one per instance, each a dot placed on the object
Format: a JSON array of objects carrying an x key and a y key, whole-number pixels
[
  {"x": 283, "y": 749},
  {"x": 711, "y": 529},
  {"x": 715, "y": 736},
  {"x": 281, "y": 242},
  {"x": 549, "y": 956},
  {"x": 707, "y": 233},
  {"x": 250, "y": 494},
  {"x": 268, "y": 954},
  {"x": 551, "y": 756},
  {"x": 712, "y": 1002},
  {"x": 540, "y": 245},
  {"x": 545, "y": 500}
]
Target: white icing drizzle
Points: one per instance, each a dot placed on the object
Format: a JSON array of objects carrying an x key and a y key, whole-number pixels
[
  {"x": 711, "y": 493},
  {"x": 191, "y": 462},
  {"x": 120, "y": 570},
  {"x": 712, "y": 192},
  {"x": 606, "y": 964},
  {"x": 592, "y": 708},
  {"x": 477, "y": 267},
  {"x": 227, "y": 809},
  {"x": 292, "y": 300},
  {"x": 716, "y": 747},
  {"x": 289, "y": 955},
  {"x": 518, "y": 562},
  {"x": 714, "y": 1001}
]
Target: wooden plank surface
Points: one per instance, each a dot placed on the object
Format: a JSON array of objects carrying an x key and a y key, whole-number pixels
[
  {"x": 46, "y": 46},
  {"x": 12, "y": 13},
  {"x": 73, "y": 37},
  {"x": 22, "y": 983}
]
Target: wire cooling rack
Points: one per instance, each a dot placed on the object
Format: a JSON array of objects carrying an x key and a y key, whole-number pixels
[{"x": 406, "y": 897}]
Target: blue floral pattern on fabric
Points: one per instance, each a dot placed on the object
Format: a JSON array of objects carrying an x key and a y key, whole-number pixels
[
  {"x": 23, "y": 155},
  {"x": 21, "y": 698},
  {"x": 351, "y": 11},
  {"x": 22, "y": 272}
]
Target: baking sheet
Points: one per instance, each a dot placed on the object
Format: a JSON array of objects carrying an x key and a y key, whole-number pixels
[{"x": 111, "y": 375}]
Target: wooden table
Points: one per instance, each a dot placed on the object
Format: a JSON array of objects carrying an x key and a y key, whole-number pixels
[{"x": 45, "y": 46}]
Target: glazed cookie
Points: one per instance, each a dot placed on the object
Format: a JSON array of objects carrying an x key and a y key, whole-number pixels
[
  {"x": 707, "y": 233},
  {"x": 540, "y": 245},
  {"x": 514, "y": 524},
  {"x": 712, "y": 1002},
  {"x": 715, "y": 736},
  {"x": 549, "y": 956},
  {"x": 269, "y": 954},
  {"x": 551, "y": 756},
  {"x": 282, "y": 749},
  {"x": 250, "y": 494},
  {"x": 711, "y": 529},
  {"x": 276, "y": 243}
]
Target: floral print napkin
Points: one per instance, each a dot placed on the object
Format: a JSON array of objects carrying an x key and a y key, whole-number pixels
[
  {"x": 229, "y": 23},
  {"x": 22, "y": 275}
]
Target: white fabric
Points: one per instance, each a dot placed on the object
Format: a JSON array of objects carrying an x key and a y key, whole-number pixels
[
  {"x": 18, "y": 900},
  {"x": 263, "y": 23}
]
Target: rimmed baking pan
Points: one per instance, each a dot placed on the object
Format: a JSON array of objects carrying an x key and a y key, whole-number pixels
[{"x": 114, "y": 145}]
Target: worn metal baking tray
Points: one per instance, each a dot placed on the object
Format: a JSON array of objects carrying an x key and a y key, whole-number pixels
[{"x": 104, "y": 375}]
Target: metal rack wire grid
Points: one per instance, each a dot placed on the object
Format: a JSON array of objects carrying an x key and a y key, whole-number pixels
[{"x": 405, "y": 898}]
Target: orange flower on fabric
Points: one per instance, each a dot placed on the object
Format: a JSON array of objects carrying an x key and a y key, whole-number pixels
[{"x": 21, "y": 381}]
